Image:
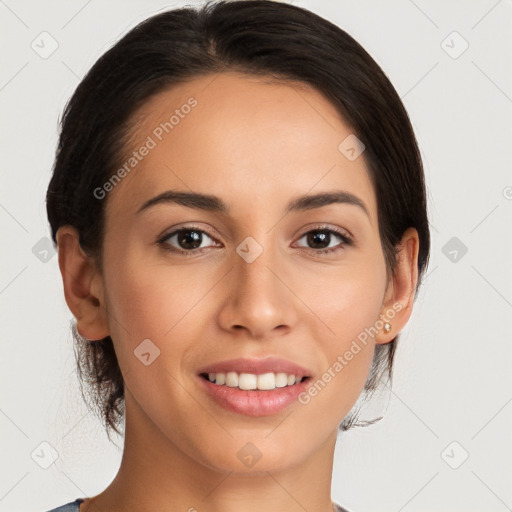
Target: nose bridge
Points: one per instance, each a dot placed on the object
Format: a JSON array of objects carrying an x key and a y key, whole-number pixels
[{"x": 253, "y": 267}]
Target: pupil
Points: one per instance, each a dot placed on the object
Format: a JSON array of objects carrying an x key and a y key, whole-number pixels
[
  {"x": 316, "y": 237},
  {"x": 188, "y": 236}
]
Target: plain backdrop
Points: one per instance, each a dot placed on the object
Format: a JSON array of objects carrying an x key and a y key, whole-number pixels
[{"x": 445, "y": 441}]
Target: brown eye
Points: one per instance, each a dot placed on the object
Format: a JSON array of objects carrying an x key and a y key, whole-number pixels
[
  {"x": 185, "y": 240},
  {"x": 188, "y": 239},
  {"x": 324, "y": 240},
  {"x": 318, "y": 239}
]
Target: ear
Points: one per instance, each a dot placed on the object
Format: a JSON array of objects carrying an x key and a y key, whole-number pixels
[
  {"x": 399, "y": 297},
  {"x": 83, "y": 285}
]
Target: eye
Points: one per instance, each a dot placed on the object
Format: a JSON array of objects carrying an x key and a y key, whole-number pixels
[
  {"x": 186, "y": 240},
  {"x": 190, "y": 239},
  {"x": 322, "y": 238}
]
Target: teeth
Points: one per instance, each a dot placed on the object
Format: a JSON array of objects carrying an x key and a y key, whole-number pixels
[
  {"x": 281, "y": 380},
  {"x": 266, "y": 381},
  {"x": 231, "y": 379},
  {"x": 249, "y": 381}
]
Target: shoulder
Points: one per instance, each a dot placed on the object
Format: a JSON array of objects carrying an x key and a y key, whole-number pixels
[{"x": 72, "y": 506}]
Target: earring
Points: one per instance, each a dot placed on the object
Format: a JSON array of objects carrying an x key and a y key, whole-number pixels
[{"x": 387, "y": 327}]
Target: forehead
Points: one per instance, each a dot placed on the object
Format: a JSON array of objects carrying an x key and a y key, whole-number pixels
[{"x": 239, "y": 137}]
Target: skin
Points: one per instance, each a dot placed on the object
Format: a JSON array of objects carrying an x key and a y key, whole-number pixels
[{"x": 257, "y": 145}]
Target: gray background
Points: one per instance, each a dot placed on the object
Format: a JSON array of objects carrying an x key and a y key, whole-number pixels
[{"x": 445, "y": 442}]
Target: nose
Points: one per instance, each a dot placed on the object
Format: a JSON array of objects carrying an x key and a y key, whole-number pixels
[{"x": 259, "y": 299}]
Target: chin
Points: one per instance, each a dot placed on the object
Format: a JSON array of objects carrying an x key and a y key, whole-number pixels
[{"x": 246, "y": 457}]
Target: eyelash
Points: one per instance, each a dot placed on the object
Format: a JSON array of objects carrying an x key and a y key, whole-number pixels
[{"x": 346, "y": 240}]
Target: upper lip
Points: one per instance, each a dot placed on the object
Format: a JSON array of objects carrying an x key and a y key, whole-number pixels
[{"x": 257, "y": 367}]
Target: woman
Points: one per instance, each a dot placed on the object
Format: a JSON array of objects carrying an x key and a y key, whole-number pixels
[{"x": 239, "y": 206}]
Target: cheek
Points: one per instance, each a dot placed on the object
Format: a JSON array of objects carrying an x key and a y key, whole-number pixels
[
  {"x": 348, "y": 302},
  {"x": 149, "y": 297},
  {"x": 149, "y": 301},
  {"x": 155, "y": 313},
  {"x": 347, "y": 298}
]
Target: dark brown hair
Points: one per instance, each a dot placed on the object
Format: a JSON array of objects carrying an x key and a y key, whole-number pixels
[{"x": 257, "y": 37}]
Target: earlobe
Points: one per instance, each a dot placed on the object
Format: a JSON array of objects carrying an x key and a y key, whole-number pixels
[
  {"x": 398, "y": 304},
  {"x": 83, "y": 285}
]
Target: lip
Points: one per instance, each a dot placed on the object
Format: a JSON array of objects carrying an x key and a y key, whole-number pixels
[
  {"x": 257, "y": 367},
  {"x": 253, "y": 402}
]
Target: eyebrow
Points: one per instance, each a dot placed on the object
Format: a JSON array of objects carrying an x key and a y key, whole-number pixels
[{"x": 213, "y": 203}]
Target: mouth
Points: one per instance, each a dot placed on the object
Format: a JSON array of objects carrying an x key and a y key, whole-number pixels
[
  {"x": 251, "y": 394},
  {"x": 254, "y": 386}
]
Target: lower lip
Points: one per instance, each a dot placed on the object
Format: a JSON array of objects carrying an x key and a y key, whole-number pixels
[{"x": 255, "y": 402}]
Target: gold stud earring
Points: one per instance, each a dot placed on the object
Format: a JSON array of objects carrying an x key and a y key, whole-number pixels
[{"x": 387, "y": 327}]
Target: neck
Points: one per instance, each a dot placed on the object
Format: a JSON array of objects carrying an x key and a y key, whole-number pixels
[{"x": 156, "y": 475}]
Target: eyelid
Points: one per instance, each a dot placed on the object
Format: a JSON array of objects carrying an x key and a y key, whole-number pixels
[
  {"x": 328, "y": 227},
  {"x": 192, "y": 227},
  {"x": 346, "y": 237}
]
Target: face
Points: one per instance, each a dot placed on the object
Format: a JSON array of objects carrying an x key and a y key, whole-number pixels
[{"x": 187, "y": 285}]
